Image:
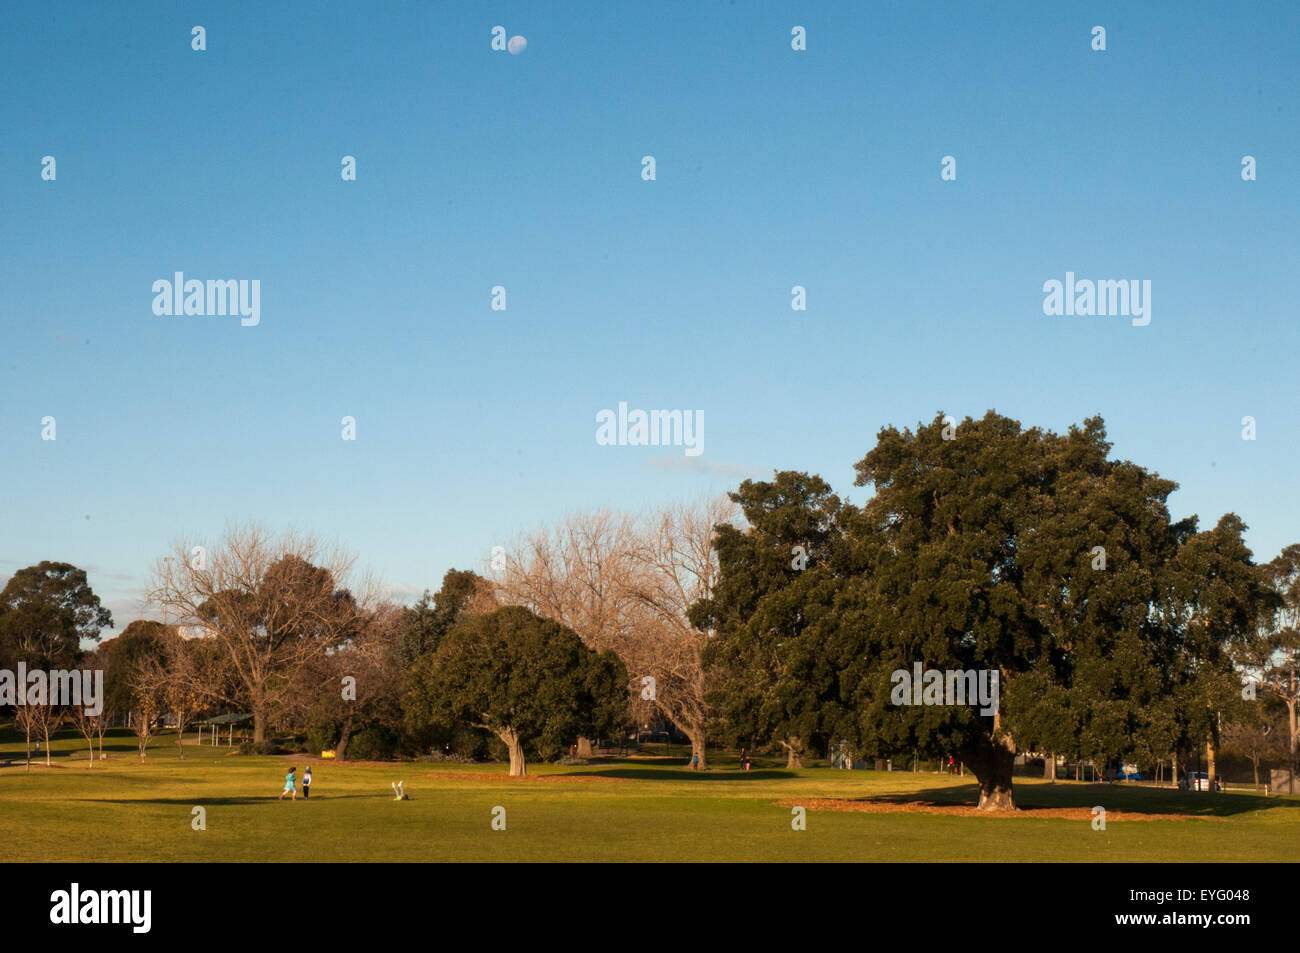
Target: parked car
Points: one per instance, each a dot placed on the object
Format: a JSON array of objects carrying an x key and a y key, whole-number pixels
[{"x": 1200, "y": 781}]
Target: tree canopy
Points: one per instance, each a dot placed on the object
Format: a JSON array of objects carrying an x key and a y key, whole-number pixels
[
  {"x": 48, "y": 609},
  {"x": 526, "y": 679},
  {"x": 1011, "y": 553}
]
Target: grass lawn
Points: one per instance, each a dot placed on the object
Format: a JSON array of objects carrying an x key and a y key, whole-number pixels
[{"x": 623, "y": 810}]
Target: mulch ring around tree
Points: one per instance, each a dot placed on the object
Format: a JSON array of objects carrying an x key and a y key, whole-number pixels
[
  {"x": 485, "y": 776},
  {"x": 921, "y": 806}
]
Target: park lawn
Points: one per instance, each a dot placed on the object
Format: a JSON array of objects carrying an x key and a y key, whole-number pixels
[{"x": 616, "y": 810}]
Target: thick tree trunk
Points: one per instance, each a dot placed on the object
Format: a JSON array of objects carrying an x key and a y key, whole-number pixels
[
  {"x": 341, "y": 749},
  {"x": 995, "y": 787},
  {"x": 1049, "y": 766},
  {"x": 584, "y": 747},
  {"x": 1295, "y": 742},
  {"x": 259, "y": 723},
  {"x": 698, "y": 757},
  {"x": 1209, "y": 757},
  {"x": 518, "y": 768},
  {"x": 794, "y": 753},
  {"x": 991, "y": 761}
]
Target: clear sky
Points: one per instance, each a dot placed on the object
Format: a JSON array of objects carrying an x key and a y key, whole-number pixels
[{"x": 477, "y": 168}]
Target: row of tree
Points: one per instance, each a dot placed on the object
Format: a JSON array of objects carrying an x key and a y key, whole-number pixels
[{"x": 777, "y": 614}]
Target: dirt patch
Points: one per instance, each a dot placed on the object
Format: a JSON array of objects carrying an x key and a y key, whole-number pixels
[
  {"x": 484, "y": 776},
  {"x": 969, "y": 810}
]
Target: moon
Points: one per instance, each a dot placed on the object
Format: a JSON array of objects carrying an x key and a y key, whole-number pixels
[{"x": 517, "y": 45}]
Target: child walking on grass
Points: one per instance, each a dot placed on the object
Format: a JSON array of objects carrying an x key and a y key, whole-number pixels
[{"x": 290, "y": 786}]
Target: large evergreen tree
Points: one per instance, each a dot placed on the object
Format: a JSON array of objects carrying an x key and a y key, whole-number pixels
[
  {"x": 48, "y": 609},
  {"x": 527, "y": 679},
  {"x": 423, "y": 625},
  {"x": 775, "y": 654},
  {"x": 1023, "y": 554}
]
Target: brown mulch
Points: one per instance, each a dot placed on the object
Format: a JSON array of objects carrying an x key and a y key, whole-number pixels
[
  {"x": 484, "y": 776},
  {"x": 969, "y": 810}
]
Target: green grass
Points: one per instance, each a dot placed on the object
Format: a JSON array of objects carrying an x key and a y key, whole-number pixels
[{"x": 120, "y": 810}]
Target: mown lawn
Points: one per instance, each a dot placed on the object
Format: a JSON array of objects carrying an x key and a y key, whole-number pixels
[{"x": 626, "y": 810}]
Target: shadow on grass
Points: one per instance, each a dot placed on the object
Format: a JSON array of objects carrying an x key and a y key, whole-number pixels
[
  {"x": 1113, "y": 796},
  {"x": 188, "y": 802},
  {"x": 638, "y": 770},
  {"x": 73, "y": 754}
]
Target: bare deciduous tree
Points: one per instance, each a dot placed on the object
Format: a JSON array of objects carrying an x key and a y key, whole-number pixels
[
  {"x": 579, "y": 574},
  {"x": 678, "y": 567},
  {"x": 92, "y": 727},
  {"x": 88, "y": 726},
  {"x": 28, "y": 719},
  {"x": 188, "y": 684},
  {"x": 1255, "y": 739},
  {"x": 40, "y": 716},
  {"x": 147, "y": 679},
  {"x": 1279, "y": 673},
  {"x": 627, "y": 583},
  {"x": 274, "y": 604}
]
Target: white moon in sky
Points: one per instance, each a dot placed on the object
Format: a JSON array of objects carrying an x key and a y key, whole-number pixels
[{"x": 517, "y": 45}]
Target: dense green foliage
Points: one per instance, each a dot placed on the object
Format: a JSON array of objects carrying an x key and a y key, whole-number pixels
[
  {"x": 987, "y": 547},
  {"x": 522, "y": 677},
  {"x": 45, "y": 612}
]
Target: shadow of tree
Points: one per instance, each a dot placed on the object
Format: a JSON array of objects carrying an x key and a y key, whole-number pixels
[
  {"x": 188, "y": 802},
  {"x": 1114, "y": 797},
  {"x": 632, "y": 771}
]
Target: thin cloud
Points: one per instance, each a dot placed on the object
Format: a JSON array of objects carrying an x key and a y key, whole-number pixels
[
  {"x": 402, "y": 591},
  {"x": 684, "y": 464}
]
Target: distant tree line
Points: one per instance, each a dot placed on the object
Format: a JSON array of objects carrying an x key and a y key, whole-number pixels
[{"x": 775, "y": 617}]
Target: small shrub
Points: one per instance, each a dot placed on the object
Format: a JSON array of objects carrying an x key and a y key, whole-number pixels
[
  {"x": 266, "y": 746},
  {"x": 321, "y": 737},
  {"x": 371, "y": 744},
  {"x": 450, "y": 757}
]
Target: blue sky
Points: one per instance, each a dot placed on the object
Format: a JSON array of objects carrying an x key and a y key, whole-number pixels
[{"x": 476, "y": 168}]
